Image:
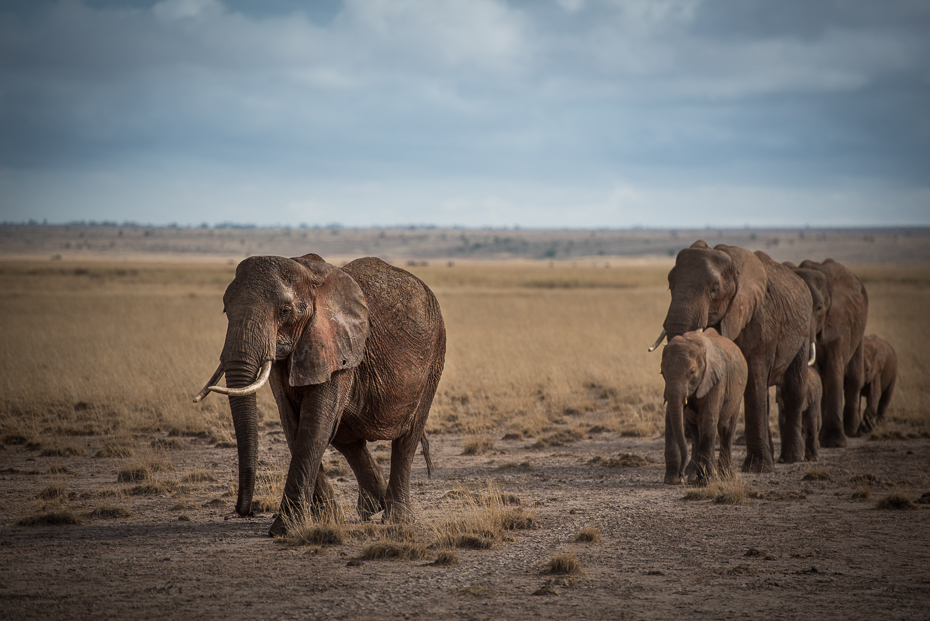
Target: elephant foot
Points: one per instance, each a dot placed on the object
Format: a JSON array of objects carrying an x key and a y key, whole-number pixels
[
  {"x": 836, "y": 439},
  {"x": 397, "y": 513},
  {"x": 278, "y": 528},
  {"x": 368, "y": 506},
  {"x": 757, "y": 464},
  {"x": 674, "y": 479},
  {"x": 791, "y": 457}
]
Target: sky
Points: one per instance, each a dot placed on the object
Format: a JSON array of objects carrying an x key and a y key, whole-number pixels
[{"x": 475, "y": 113}]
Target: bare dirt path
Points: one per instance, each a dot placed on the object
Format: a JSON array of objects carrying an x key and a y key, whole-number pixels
[{"x": 797, "y": 549}]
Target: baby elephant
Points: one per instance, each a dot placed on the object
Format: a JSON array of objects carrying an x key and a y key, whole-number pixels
[
  {"x": 811, "y": 416},
  {"x": 705, "y": 376},
  {"x": 881, "y": 372}
]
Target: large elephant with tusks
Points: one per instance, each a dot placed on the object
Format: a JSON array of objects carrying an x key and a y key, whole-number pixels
[
  {"x": 765, "y": 309},
  {"x": 353, "y": 355}
]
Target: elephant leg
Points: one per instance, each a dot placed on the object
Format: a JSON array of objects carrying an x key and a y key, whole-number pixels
[
  {"x": 320, "y": 412},
  {"x": 674, "y": 460},
  {"x": 725, "y": 453},
  {"x": 885, "y": 399},
  {"x": 706, "y": 443},
  {"x": 371, "y": 486},
  {"x": 852, "y": 387},
  {"x": 691, "y": 433},
  {"x": 811, "y": 428},
  {"x": 759, "y": 454},
  {"x": 870, "y": 415},
  {"x": 324, "y": 499},
  {"x": 794, "y": 390},
  {"x": 832, "y": 433},
  {"x": 397, "y": 499}
]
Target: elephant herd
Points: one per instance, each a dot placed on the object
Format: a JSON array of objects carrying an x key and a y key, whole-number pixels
[
  {"x": 739, "y": 323},
  {"x": 354, "y": 355}
]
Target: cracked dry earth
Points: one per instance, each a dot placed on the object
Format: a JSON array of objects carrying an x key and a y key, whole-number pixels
[{"x": 795, "y": 549}]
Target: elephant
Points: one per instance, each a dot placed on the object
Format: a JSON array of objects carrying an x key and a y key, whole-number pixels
[
  {"x": 352, "y": 354},
  {"x": 810, "y": 413},
  {"x": 765, "y": 309},
  {"x": 880, "y": 368},
  {"x": 705, "y": 377},
  {"x": 839, "y": 346}
]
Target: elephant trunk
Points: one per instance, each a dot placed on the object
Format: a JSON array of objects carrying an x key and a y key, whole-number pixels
[
  {"x": 245, "y": 421},
  {"x": 241, "y": 361},
  {"x": 683, "y": 317},
  {"x": 676, "y": 447}
]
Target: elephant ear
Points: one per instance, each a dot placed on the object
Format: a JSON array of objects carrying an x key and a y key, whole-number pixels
[
  {"x": 714, "y": 364},
  {"x": 335, "y": 337},
  {"x": 751, "y": 283}
]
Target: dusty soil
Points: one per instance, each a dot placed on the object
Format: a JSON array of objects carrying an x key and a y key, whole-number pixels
[{"x": 797, "y": 549}]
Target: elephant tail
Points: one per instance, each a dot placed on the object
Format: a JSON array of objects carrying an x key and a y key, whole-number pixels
[{"x": 424, "y": 442}]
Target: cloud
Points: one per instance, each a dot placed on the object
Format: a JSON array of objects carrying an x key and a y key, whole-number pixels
[{"x": 480, "y": 109}]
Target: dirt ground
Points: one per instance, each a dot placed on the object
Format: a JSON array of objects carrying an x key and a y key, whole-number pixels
[{"x": 794, "y": 549}]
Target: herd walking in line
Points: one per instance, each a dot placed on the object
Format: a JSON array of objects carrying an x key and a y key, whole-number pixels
[{"x": 354, "y": 355}]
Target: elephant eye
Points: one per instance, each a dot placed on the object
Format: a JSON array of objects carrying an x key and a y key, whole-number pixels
[{"x": 284, "y": 312}]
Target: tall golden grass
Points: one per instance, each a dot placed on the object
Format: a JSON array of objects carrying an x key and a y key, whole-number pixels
[{"x": 109, "y": 348}]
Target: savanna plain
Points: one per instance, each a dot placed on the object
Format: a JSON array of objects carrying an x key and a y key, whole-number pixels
[{"x": 546, "y": 432}]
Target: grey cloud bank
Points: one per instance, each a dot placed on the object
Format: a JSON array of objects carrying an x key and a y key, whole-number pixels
[{"x": 570, "y": 113}]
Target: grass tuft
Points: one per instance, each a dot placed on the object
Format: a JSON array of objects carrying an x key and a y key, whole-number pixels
[
  {"x": 730, "y": 491},
  {"x": 817, "y": 474},
  {"x": 57, "y": 517},
  {"x": 446, "y": 558},
  {"x": 565, "y": 564},
  {"x": 622, "y": 460},
  {"x": 55, "y": 491},
  {"x": 199, "y": 476},
  {"x": 395, "y": 550},
  {"x": 589, "y": 534},
  {"x": 477, "y": 446},
  {"x": 896, "y": 500},
  {"x": 111, "y": 512}
]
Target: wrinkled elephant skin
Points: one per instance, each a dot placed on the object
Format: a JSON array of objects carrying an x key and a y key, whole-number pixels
[{"x": 356, "y": 352}]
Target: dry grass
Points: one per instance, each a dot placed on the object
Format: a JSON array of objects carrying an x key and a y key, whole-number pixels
[
  {"x": 477, "y": 446},
  {"x": 111, "y": 512},
  {"x": 199, "y": 476},
  {"x": 817, "y": 474},
  {"x": 55, "y": 517},
  {"x": 897, "y": 499},
  {"x": 589, "y": 534},
  {"x": 732, "y": 491},
  {"x": 269, "y": 489},
  {"x": 465, "y": 519},
  {"x": 565, "y": 563},
  {"x": 540, "y": 352}
]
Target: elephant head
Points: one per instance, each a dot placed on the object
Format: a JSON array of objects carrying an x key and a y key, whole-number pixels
[
  {"x": 307, "y": 315},
  {"x": 821, "y": 293},
  {"x": 717, "y": 287},
  {"x": 691, "y": 366}
]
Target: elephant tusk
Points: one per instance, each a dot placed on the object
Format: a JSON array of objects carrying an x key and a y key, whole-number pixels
[
  {"x": 251, "y": 389},
  {"x": 213, "y": 380},
  {"x": 658, "y": 340},
  {"x": 813, "y": 359}
]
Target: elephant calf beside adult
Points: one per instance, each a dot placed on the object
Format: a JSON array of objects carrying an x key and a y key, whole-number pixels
[
  {"x": 354, "y": 354},
  {"x": 845, "y": 311},
  {"x": 765, "y": 309}
]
